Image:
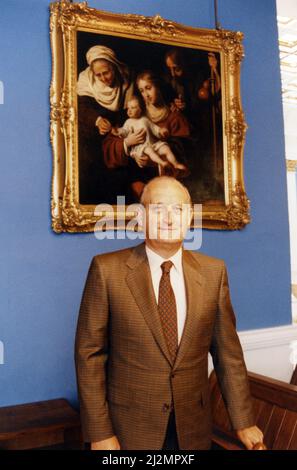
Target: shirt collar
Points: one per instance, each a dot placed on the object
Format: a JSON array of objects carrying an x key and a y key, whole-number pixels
[{"x": 156, "y": 260}]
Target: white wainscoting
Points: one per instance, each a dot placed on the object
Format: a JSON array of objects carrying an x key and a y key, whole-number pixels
[{"x": 270, "y": 351}]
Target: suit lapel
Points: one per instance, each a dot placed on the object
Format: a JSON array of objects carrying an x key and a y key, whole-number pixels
[
  {"x": 194, "y": 283},
  {"x": 140, "y": 284}
]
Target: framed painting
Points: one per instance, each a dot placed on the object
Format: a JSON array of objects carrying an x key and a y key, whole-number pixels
[{"x": 133, "y": 97}]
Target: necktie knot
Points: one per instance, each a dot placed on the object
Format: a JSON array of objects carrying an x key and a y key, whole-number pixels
[{"x": 166, "y": 266}]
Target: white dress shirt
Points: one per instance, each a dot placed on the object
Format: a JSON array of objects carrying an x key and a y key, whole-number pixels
[{"x": 177, "y": 282}]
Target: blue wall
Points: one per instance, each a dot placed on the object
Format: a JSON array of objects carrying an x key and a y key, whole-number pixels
[{"x": 42, "y": 274}]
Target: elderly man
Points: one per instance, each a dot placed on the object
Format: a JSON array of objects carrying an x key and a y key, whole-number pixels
[{"x": 148, "y": 318}]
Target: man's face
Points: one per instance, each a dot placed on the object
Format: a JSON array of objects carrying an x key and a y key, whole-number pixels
[
  {"x": 176, "y": 70},
  {"x": 168, "y": 213}
]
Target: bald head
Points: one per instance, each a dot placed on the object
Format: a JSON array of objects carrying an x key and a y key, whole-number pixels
[
  {"x": 168, "y": 213},
  {"x": 165, "y": 186}
]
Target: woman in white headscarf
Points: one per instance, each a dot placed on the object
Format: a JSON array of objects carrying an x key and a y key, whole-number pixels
[
  {"x": 105, "y": 79},
  {"x": 103, "y": 90}
]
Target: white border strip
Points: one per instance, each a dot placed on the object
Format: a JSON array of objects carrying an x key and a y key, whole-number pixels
[{"x": 268, "y": 337}]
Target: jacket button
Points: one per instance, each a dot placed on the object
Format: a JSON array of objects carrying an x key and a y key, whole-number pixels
[
  {"x": 172, "y": 376},
  {"x": 165, "y": 407}
]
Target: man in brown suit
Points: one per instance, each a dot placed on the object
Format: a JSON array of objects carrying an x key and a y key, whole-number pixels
[{"x": 148, "y": 318}]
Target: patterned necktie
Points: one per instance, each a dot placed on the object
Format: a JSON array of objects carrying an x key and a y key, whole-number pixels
[{"x": 167, "y": 309}]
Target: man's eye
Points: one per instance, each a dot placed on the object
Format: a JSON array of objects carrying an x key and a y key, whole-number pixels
[
  {"x": 157, "y": 209},
  {"x": 177, "y": 209}
]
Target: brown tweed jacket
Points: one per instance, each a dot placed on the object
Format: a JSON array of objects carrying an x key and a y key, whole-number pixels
[{"x": 126, "y": 381}]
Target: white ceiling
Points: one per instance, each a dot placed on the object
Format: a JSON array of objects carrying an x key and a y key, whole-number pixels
[
  {"x": 287, "y": 8},
  {"x": 287, "y": 32}
]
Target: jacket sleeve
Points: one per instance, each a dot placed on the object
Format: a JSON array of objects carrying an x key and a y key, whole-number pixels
[
  {"x": 91, "y": 354},
  {"x": 229, "y": 362}
]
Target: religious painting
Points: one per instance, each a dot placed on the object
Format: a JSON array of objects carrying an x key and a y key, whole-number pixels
[{"x": 134, "y": 97}]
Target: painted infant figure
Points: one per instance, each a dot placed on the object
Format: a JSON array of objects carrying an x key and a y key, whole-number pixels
[{"x": 154, "y": 148}]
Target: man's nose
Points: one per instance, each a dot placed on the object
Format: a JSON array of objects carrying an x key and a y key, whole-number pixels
[{"x": 169, "y": 217}]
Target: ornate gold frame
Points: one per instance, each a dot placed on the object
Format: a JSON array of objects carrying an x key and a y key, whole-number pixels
[{"x": 65, "y": 20}]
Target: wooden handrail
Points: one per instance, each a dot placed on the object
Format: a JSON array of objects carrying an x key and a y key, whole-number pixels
[{"x": 275, "y": 405}]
